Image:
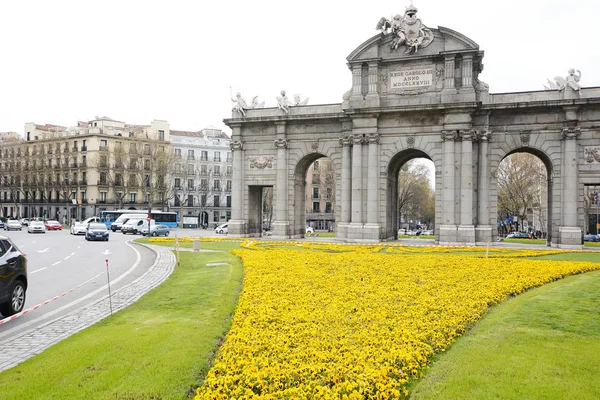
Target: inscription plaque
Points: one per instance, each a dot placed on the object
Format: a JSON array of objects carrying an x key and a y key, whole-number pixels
[{"x": 411, "y": 78}]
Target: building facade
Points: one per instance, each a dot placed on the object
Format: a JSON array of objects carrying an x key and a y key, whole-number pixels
[
  {"x": 320, "y": 195},
  {"x": 201, "y": 177},
  {"x": 75, "y": 172}
]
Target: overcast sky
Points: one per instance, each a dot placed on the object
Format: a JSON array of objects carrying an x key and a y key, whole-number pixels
[{"x": 135, "y": 61}]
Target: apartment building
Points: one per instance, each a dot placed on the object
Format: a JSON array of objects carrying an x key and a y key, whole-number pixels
[
  {"x": 74, "y": 172},
  {"x": 320, "y": 195},
  {"x": 202, "y": 176}
]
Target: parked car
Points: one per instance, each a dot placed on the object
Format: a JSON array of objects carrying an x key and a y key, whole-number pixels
[
  {"x": 13, "y": 278},
  {"x": 12, "y": 225},
  {"x": 36, "y": 227},
  {"x": 519, "y": 235},
  {"x": 156, "y": 230},
  {"x": 133, "y": 226},
  {"x": 78, "y": 228},
  {"x": 591, "y": 238},
  {"x": 428, "y": 232},
  {"x": 1, "y": 224},
  {"x": 25, "y": 221},
  {"x": 221, "y": 229},
  {"x": 53, "y": 225},
  {"x": 123, "y": 218},
  {"x": 96, "y": 231},
  {"x": 310, "y": 229}
]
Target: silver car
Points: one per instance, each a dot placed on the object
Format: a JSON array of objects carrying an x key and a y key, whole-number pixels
[
  {"x": 12, "y": 225},
  {"x": 78, "y": 228},
  {"x": 36, "y": 227},
  {"x": 156, "y": 230}
]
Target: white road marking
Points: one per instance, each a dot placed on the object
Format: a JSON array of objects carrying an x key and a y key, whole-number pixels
[
  {"x": 37, "y": 270},
  {"x": 78, "y": 246},
  {"x": 67, "y": 257},
  {"x": 56, "y": 263},
  {"x": 216, "y": 264},
  {"x": 72, "y": 254},
  {"x": 45, "y": 250},
  {"x": 106, "y": 252}
]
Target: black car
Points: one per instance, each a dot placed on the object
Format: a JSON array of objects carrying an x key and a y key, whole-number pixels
[
  {"x": 13, "y": 278},
  {"x": 96, "y": 231}
]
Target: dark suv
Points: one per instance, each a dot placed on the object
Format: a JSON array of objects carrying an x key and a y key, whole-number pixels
[{"x": 13, "y": 278}]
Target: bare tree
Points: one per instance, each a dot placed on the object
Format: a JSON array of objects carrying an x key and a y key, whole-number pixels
[
  {"x": 521, "y": 182},
  {"x": 414, "y": 191}
]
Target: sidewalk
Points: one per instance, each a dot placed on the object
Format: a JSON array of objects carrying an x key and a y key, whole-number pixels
[{"x": 17, "y": 349}]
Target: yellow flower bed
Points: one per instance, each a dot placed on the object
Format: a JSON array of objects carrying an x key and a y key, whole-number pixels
[
  {"x": 355, "y": 324},
  {"x": 190, "y": 239}
]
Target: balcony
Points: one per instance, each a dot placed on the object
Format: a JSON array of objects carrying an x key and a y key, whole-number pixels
[
  {"x": 83, "y": 182},
  {"x": 74, "y": 149},
  {"x": 102, "y": 182},
  {"x": 104, "y": 148},
  {"x": 204, "y": 158},
  {"x": 83, "y": 148},
  {"x": 217, "y": 173},
  {"x": 191, "y": 158},
  {"x": 217, "y": 159},
  {"x": 228, "y": 189},
  {"x": 74, "y": 165}
]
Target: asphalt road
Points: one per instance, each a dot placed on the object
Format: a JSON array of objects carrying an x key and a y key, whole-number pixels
[{"x": 67, "y": 271}]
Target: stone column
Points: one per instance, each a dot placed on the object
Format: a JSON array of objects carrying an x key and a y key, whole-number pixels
[
  {"x": 357, "y": 81},
  {"x": 237, "y": 224},
  {"x": 569, "y": 232},
  {"x": 346, "y": 188},
  {"x": 466, "y": 230},
  {"x": 356, "y": 224},
  {"x": 281, "y": 225},
  {"x": 372, "y": 227},
  {"x": 448, "y": 229},
  {"x": 372, "y": 95},
  {"x": 483, "y": 230},
  {"x": 467, "y": 71}
]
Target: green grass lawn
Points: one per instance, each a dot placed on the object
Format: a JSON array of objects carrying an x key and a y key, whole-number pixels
[
  {"x": 544, "y": 344},
  {"x": 158, "y": 348}
]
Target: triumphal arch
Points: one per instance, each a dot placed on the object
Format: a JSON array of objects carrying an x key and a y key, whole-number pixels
[{"x": 416, "y": 92}]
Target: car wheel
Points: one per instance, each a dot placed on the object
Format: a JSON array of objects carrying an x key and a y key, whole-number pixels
[
  {"x": 16, "y": 302},
  {"x": 166, "y": 233},
  {"x": 106, "y": 239},
  {"x": 154, "y": 234}
]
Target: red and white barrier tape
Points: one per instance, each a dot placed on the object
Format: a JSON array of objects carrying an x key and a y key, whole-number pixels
[{"x": 12, "y": 317}]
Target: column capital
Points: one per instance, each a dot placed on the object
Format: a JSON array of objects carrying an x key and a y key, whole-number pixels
[
  {"x": 484, "y": 136},
  {"x": 449, "y": 135},
  {"x": 236, "y": 145},
  {"x": 281, "y": 143},
  {"x": 571, "y": 133},
  {"x": 373, "y": 138},
  {"x": 468, "y": 134},
  {"x": 345, "y": 141},
  {"x": 357, "y": 139}
]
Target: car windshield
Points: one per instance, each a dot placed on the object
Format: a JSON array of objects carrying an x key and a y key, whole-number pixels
[
  {"x": 37, "y": 223},
  {"x": 97, "y": 226}
]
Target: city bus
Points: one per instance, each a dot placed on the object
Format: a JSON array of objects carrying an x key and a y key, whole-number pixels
[{"x": 169, "y": 218}]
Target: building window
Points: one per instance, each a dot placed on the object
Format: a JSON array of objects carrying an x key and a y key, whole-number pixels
[
  {"x": 228, "y": 201},
  {"x": 203, "y": 170},
  {"x": 316, "y": 206},
  {"x": 203, "y": 184},
  {"x": 190, "y": 154},
  {"x": 103, "y": 144},
  {"x": 83, "y": 198},
  {"x": 229, "y": 156},
  {"x": 177, "y": 201},
  {"x": 103, "y": 178},
  {"x": 190, "y": 184},
  {"x": 190, "y": 201},
  {"x": 228, "y": 185},
  {"x": 316, "y": 166},
  {"x": 147, "y": 149},
  {"x": 204, "y": 155},
  {"x": 217, "y": 185},
  {"x": 147, "y": 165},
  {"x": 177, "y": 183},
  {"x": 132, "y": 148},
  {"x": 132, "y": 197},
  {"x": 215, "y": 216},
  {"x": 190, "y": 169},
  {"x": 178, "y": 153},
  {"x": 161, "y": 135},
  {"x": 217, "y": 201},
  {"x": 217, "y": 156},
  {"x": 147, "y": 180},
  {"x": 315, "y": 193},
  {"x": 328, "y": 207},
  {"x": 203, "y": 200},
  {"x": 229, "y": 170},
  {"x": 217, "y": 170}
]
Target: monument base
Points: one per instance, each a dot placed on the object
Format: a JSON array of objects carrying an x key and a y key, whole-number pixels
[
  {"x": 355, "y": 231},
  {"x": 483, "y": 235},
  {"x": 280, "y": 230},
  {"x": 466, "y": 235},
  {"x": 448, "y": 235},
  {"x": 341, "y": 230},
  {"x": 570, "y": 237},
  {"x": 371, "y": 232},
  {"x": 236, "y": 228}
]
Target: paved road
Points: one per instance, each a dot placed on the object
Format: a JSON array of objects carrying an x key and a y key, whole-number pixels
[{"x": 59, "y": 263}]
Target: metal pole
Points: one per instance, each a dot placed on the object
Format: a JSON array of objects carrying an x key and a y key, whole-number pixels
[
  {"x": 596, "y": 198},
  {"x": 109, "y": 294}
]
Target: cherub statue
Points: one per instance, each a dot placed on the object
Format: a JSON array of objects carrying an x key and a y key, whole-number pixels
[
  {"x": 240, "y": 104},
  {"x": 298, "y": 101},
  {"x": 256, "y": 104},
  {"x": 571, "y": 80},
  {"x": 283, "y": 103}
]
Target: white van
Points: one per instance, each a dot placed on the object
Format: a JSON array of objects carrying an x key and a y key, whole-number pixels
[
  {"x": 221, "y": 229},
  {"x": 116, "y": 226}
]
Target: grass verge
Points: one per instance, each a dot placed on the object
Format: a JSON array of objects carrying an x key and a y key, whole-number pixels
[
  {"x": 543, "y": 344},
  {"x": 158, "y": 348}
]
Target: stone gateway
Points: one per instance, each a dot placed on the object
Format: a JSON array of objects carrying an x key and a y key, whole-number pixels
[{"x": 411, "y": 97}]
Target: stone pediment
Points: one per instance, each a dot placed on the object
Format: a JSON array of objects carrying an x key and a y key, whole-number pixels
[
  {"x": 445, "y": 41},
  {"x": 436, "y": 66}
]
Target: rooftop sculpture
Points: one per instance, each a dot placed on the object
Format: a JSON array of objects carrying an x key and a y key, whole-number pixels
[
  {"x": 571, "y": 80},
  {"x": 407, "y": 30}
]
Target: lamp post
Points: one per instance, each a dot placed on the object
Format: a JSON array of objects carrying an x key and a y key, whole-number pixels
[{"x": 596, "y": 200}]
